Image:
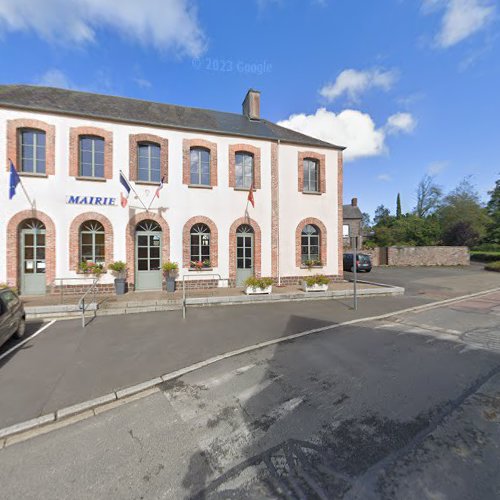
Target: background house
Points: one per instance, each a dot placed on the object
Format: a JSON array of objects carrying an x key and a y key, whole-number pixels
[{"x": 352, "y": 223}]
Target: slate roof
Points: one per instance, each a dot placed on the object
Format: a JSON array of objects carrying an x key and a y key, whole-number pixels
[
  {"x": 107, "y": 107},
  {"x": 351, "y": 212}
]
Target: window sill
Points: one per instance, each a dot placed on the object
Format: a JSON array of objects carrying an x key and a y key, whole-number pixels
[
  {"x": 245, "y": 189},
  {"x": 203, "y": 269},
  {"x": 32, "y": 174},
  {"x": 312, "y": 192},
  {"x": 199, "y": 186},
  {"x": 92, "y": 179},
  {"x": 312, "y": 267},
  {"x": 147, "y": 183}
]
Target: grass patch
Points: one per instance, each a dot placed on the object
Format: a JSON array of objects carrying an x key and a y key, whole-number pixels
[{"x": 493, "y": 266}]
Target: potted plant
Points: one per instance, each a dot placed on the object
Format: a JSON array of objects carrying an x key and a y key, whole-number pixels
[
  {"x": 316, "y": 283},
  {"x": 312, "y": 263},
  {"x": 170, "y": 271},
  {"x": 119, "y": 269},
  {"x": 94, "y": 268},
  {"x": 255, "y": 285}
]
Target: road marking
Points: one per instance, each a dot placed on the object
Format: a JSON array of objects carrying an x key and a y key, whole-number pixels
[{"x": 17, "y": 346}]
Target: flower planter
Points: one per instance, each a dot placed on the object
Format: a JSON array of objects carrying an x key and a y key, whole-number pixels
[
  {"x": 120, "y": 286},
  {"x": 252, "y": 290},
  {"x": 314, "y": 288},
  {"x": 170, "y": 283}
]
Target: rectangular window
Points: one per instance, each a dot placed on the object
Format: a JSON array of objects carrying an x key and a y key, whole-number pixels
[
  {"x": 148, "y": 167},
  {"x": 244, "y": 170},
  {"x": 311, "y": 177},
  {"x": 200, "y": 167},
  {"x": 345, "y": 230},
  {"x": 32, "y": 151},
  {"x": 91, "y": 150}
]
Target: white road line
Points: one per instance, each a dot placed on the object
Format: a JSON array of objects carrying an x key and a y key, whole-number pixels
[{"x": 17, "y": 346}]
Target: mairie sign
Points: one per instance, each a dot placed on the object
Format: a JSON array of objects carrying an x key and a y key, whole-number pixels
[{"x": 91, "y": 200}]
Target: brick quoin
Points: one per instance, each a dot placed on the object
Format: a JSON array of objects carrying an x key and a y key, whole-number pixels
[
  {"x": 244, "y": 148},
  {"x": 134, "y": 141},
  {"x": 130, "y": 240},
  {"x": 74, "y": 238},
  {"x": 186, "y": 240},
  {"x": 322, "y": 240},
  {"x": 322, "y": 171},
  {"x": 187, "y": 144},
  {"x": 13, "y": 246},
  {"x": 74, "y": 135},
  {"x": 14, "y": 144},
  {"x": 257, "y": 251},
  {"x": 340, "y": 221}
]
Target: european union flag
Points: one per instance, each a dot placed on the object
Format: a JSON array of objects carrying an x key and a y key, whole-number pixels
[{"x": 14, "y": 180}]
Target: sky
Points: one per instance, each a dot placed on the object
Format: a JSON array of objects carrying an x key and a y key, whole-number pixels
[{"x": 410, "y": 87}]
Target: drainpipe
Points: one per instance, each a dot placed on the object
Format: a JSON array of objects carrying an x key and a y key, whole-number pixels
[{"x": 278, "y": 203}]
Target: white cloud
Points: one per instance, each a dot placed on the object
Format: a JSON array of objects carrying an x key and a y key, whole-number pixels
[
  {"x": 354, "y": 83},
  {"x": 55, "y": 78},
  {"x": 401, "y": 123},
  {"x": 461, "y": 19},
  {"x": 384, "y": 177},
  {"x": 143, "y": 83},
  {"x": 351, "y": 128},
  {"x": 163, "y": 24},
  {"x": 436, "y": 167}
]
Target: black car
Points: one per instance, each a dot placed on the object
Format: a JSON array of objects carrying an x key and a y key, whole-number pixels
[
  {"x": 362, "y": 260},
  {"x": 12, "y": 316}
]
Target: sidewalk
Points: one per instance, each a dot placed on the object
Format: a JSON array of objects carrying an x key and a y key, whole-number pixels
[{"x": 54, "y": 306}]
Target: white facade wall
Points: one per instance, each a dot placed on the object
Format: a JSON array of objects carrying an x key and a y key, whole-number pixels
[{"x": 177, "y": 201}]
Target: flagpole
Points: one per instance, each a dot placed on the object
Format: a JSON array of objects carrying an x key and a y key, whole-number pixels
[
  {"x": 135, "y": 192},
  {"x": 22, "y": 185}
]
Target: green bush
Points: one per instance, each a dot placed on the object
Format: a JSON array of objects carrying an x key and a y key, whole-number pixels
[
  {"x": 493, "y": 266},
  {"x": 170, "y": 267},
  {"x": 261, "y": 283},
  {"x": 485, "y": 256},
  {"x": 317, "y": 279},
  {"x": 118, "y": 267},
  {"x": 487, "y": 247}
]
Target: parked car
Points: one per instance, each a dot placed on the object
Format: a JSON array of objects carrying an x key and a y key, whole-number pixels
[
  {"x": 12, "y": 316},
  {"x": 363, "y": 262}
]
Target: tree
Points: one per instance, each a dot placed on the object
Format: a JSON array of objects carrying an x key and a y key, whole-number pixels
[
  {"x": 398, "y": 207},
  {"x": 463, "y": 219},
  {"x": 493, "y": 209},
  {"x": 366, "y": 222},
  {"x": 382, "y": 215},
  {"x": 428, "y": 197}
]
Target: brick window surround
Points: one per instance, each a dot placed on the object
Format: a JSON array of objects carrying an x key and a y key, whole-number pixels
[
  {"x": 13, "y": 246},
  {"x": 186, "y": 240},
  {"x": 186, "y": 159},
  {"x": 134, "y": 141},
  {"x": 244, "y": 148},
  {"x": 74, "y": 238},
  {"x": 130, "y": 240},
  {"x": 14, "y": 145},
  {"x": 322, "y": 240},
  {"x": 257, "y": 250},
  {"x": 322, "y": 173},
  {"x": 74, "y": 147}
]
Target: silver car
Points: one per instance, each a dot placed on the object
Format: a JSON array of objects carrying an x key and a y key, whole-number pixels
[{"x": 12, "y": 316}]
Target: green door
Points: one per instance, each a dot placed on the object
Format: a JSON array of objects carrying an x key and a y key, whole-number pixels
[
  {"x": 32, "y": 262},
  {"x": 148, "y": 243},
  {"x": 244, "y": 254}
]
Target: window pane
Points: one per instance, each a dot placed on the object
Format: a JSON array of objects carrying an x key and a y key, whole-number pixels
[
  {"x": 205, "y": 179},
  {"x": 28, "y": 252},
  {"x": 28, "y": 239},
  {"x": 40, "y": 138},
  {"x": 154, "y": 252},
  {"x": 27, "y": 165},
  {"x": 40, "y": 166},
  {"x": 85, "y": 144},
  {"x": 154, "y": 264},
  {"x": 99, "y": 171},
  {"x": 143, "y": 174},
  {"x": 142, "y": 240},
  {"x": 99, "y": 158},
  {"x": 98, "y": 145},
  {"x": 142, "y": 264},
  {"x": 155, "y": 151},
  {"x": 40, "y": 253}
]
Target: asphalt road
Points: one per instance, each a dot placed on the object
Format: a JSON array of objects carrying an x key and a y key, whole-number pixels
[{"x": 403, "y": 408}]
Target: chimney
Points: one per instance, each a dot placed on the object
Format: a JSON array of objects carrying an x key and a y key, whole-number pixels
[
  {"x": 251, "y": 105},
  {"x": 354, "y": 202}
]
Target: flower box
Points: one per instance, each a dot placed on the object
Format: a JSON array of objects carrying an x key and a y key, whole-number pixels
[
  {"x": 314, "y": 288},
  {"x": 253, "y": 290}
]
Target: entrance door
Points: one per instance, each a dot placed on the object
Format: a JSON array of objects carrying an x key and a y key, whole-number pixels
[
  {"x": 148, "y": 274},
  {"x": 244, "y": 254},
  {"x": 32, "y": 252}
]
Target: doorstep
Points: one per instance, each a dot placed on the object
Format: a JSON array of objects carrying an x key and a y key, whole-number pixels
[{"x": 120, "y": 305}]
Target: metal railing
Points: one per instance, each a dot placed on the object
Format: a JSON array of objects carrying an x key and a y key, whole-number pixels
[
  {"x": 200, "y": 275},
  {"x": 60, "y": 282},
  {"x": 81, "y": 302}
]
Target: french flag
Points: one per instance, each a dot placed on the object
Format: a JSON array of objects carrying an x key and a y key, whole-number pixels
[{"x": 124, "y": 182}]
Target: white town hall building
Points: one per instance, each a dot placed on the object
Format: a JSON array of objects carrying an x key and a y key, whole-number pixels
[{"x": 69, "y": 148}]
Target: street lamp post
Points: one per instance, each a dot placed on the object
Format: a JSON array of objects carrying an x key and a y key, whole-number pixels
[{"x": 354, "y": 241}]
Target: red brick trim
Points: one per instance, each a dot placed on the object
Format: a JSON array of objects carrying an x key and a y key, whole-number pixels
[
  {"x": 13, "y": 257},
  {"x": 340, "y": 236},
  {"x": 74, "y": 238},
  {"x": 130, "y": 240},
  {"x": 186, "y": 240},
  {"x": 275, "y": 211},
  {"x": 134, "y": 140},
  {"x": 14, "y": 146},
  {"x": 322, "y": 171},
  {"x": 186, "y": 159},
  {"x": 74, "y": 135},
  {"x": 257, "y": 246},
  {"x": 244, "y": 148},
  {"x": 322, "y": 240}
]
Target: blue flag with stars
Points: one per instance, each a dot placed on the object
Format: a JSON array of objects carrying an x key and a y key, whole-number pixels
[{"x": 14, "y": 180}]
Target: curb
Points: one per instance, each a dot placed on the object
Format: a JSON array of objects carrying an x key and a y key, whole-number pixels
[{"x": 71, "y": 414}]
